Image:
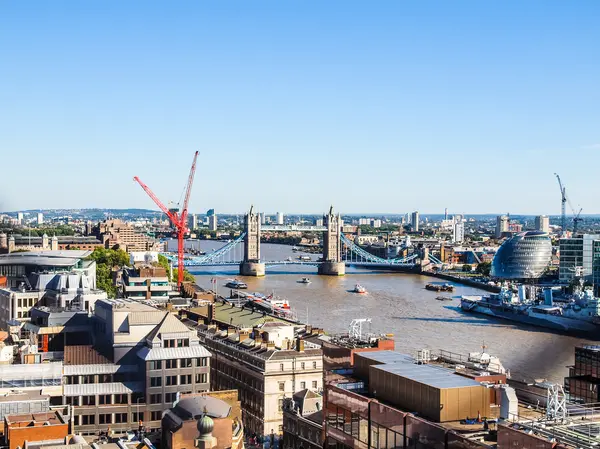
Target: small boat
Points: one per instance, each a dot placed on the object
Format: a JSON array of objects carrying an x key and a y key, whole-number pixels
[
  {"x": 359, "y": 289},
  {"x": 295, "y": 248},
  {"x": 304, "y": 281},
  {"x": 289, "y": 259},
  {"x": 440, "y": 288},
  {"x": 443, "y": 298},
  {"x": 304, "y": 258},
  {"x": 234, "y": 283}
]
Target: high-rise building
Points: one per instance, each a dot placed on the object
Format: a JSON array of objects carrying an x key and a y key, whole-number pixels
[
  {"x": 193, "y": 221},
  {"x": 40, "y": 218},
  {"x": 580, "y": 258},
  {"x": 210, "y": 212},
  {"x": 414, "y": 221},
  {"x": 262, "y": 218},
  {"x": 20, "y": 218},
  {"x": 446, "y": 213},
  {"x": 501, "y": 225},
  {"x": 542, "y": 223},
  {"x": 279, "y": 218},
  {"x": 212, "y": 222},
  {"x": 458, "y": 229}
]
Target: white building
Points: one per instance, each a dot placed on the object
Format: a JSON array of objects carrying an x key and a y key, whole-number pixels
[
  {"x": 212, "y": 222},
  {"x": 20, "y": 218},
  {"x": 458, "y": 230},
  {"x": 40, "y": 218},
  {"x": 502, "y": 222},
  {"x": 542, "y": 223},
  {"x": 376, "y": 223},
  {"x": 279, "y": 218}
]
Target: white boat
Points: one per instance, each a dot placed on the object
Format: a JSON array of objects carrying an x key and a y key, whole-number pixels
[
  {"x": 359, "y": 289},
  {"x": 234, "y": 283},
  {"x": 304, "y": 281},
  {"x": 304, "y": 258}
]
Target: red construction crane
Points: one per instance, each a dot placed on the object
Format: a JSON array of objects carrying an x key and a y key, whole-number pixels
[{"x": 179, "y": 219}]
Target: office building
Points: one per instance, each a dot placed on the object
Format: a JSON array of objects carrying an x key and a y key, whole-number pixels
[
  {"x": 542, "y": 223},
  {"x": 262, "y": 218},
  {"x": 580, "y": 258},
  {"x": 30, "y": 429},
  {"x": 40, "y": 218},
  {"x": 265, "y": 364},
  {"x": 502, "y": 222},
  {"x": 279, "y": 218},
  {"x": 524, "y": 256},
  {"x": 414, "y": 221},
  {"x": 22, "y": 243},
  {"x": 583, "y": 382},
  {"x": 20, "y": 218},
  {"x": 145, "y": 282},
  {"x": 210, "y": 212},
  {"x": 458, "y": 229},
  {"x": 319, "y": 222},
  {"x": 142, "y": 359},
  {"x": 212, "y": 222}
]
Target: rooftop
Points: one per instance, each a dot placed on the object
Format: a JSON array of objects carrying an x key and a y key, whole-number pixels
[
  {"x": 126, "y": 305},
  {"x": 433, "y": 376},
  {"x": 35, "y": 419}
]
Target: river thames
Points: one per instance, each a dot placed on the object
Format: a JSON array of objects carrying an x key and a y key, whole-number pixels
[{"x": 398, "y": 303}]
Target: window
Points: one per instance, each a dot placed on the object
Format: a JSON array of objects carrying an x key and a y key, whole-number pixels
[
  {"x": 202, "y": 361},
  {"x": 281, "y": 386},
  {"x": 120, "y": 418},
  {"x": 169, "y": 343},
  {"x": 156, "y": 381},
  {"x": 87, "y": 379},
  {"x": 185, "y": 379},
  {"x": 280, "y": 406},
  {"x": 303, "y": 365},
  {"x": 88, "y": 400},
  {"x": 314, "y": 384},
  {"x": 201, "y": 378},
  {"x": 155, "y": 416},
  {"x": 137, "y": 417},
  {"x": 105, "y": 418},
  {"x": 104, "y": 399},
  {"x": 171, "y": 380},
  {"x": 185, "y": 363},
  {"x": 155, "y": 398},
  {"x": 281, "y": 367},
  {"x": 171, "y": 364},
  {"x": 157, "y": 364},
  {"x": 88, "y": 420},
  {"x": 170, "y": 398},
  {"x": 120, "y": 399},
  {"x": 314, "y": 365},
  {"x": 302, "y": 385}
]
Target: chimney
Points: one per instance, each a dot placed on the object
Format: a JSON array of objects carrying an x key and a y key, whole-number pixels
[
  {"x": 243, "y": 336},
  {"x": 271, "y": 345},
  {"x": 230, "y": 331},
  {"x": 299, "y": 345}
]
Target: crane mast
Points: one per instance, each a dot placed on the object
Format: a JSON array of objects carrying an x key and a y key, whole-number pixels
[
  {"x": 563, "y": 205},
  {"x": 179, "y": 220}
]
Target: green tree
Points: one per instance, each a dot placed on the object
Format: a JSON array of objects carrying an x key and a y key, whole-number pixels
[
  {"x": 164, "y": 262},
  {"x": 106, "y": 261},
  {"x": 466, "y": 268},
  {"x": 484, "y": 268}
]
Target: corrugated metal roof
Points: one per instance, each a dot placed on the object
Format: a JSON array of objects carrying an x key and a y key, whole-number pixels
[
  {"x": 105, "y": 388},
  {"x": 150, "y": 317},
  {"x": 173, "y": 353},
  {"x": 434, "y": 376},
  {"x": 109, "y": 368}
]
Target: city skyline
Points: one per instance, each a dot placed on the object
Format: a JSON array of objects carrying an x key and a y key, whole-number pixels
[{"x": 367, "y": 108}]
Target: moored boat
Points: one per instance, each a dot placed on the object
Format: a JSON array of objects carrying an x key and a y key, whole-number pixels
[{"x": 234, "y": 283}]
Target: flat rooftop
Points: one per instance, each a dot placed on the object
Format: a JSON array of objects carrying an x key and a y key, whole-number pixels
[
  {"x": 35, "y": 419},
  {"x": 24, "y": 396},
  {"x": 386, "y": 356},
  {"x": 127, "y": 305}
]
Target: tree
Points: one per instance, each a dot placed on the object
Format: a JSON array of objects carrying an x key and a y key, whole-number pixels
[
  {"x": 106, "y": 261},
  {"x": 466, "y": 268},
  {"x": 484, "y": 268}
]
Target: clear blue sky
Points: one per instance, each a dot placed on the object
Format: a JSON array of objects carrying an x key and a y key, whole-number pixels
[{"x": 383, "y": 106}]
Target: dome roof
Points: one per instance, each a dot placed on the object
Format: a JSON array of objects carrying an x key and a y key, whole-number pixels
[
  {"x": 205, "y": 425},
  {"x": 524, "y": 256}
]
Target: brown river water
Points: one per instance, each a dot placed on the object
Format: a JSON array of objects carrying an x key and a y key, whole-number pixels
[{"x": 398, "y": 303}]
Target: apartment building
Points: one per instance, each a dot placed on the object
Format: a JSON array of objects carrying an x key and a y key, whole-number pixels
[
  {"x": 119, "y": 233},
  {"x": 145, "y": 282},
  {"x": 265, "y": 364}
]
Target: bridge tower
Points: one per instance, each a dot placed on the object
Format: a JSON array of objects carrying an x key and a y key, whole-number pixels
[
  {"x": 332, "y": 246},
  {"x": 251, "y": 265}
]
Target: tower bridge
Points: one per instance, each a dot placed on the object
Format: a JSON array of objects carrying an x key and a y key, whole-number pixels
[{"x": 338, "y": 250}]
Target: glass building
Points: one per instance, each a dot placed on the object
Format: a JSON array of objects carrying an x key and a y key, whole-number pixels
[
  {"x": 580, "y": 257},
  {"x": 524, "y": 256}
]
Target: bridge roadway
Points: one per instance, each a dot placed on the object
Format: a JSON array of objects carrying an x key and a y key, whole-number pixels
[{"x": 284, "y": 228}]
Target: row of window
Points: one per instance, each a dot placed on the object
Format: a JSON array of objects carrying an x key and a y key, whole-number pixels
[
  {"x": 302, "y": 385},
  {"x": 184, "y": 379},
  {"x": 102, "y": 399},
  {"x": 99, "y": 378},
  {"x": 26, "y": 302},
  {"x": 302, "y": 366},
  {"x": 176, "y": 343},
  {"x": 116, "y": 418},
  {"x": 178, "y": 363}
]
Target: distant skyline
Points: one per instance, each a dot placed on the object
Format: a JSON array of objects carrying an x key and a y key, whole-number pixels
[{"x": 294, "y": 106}]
